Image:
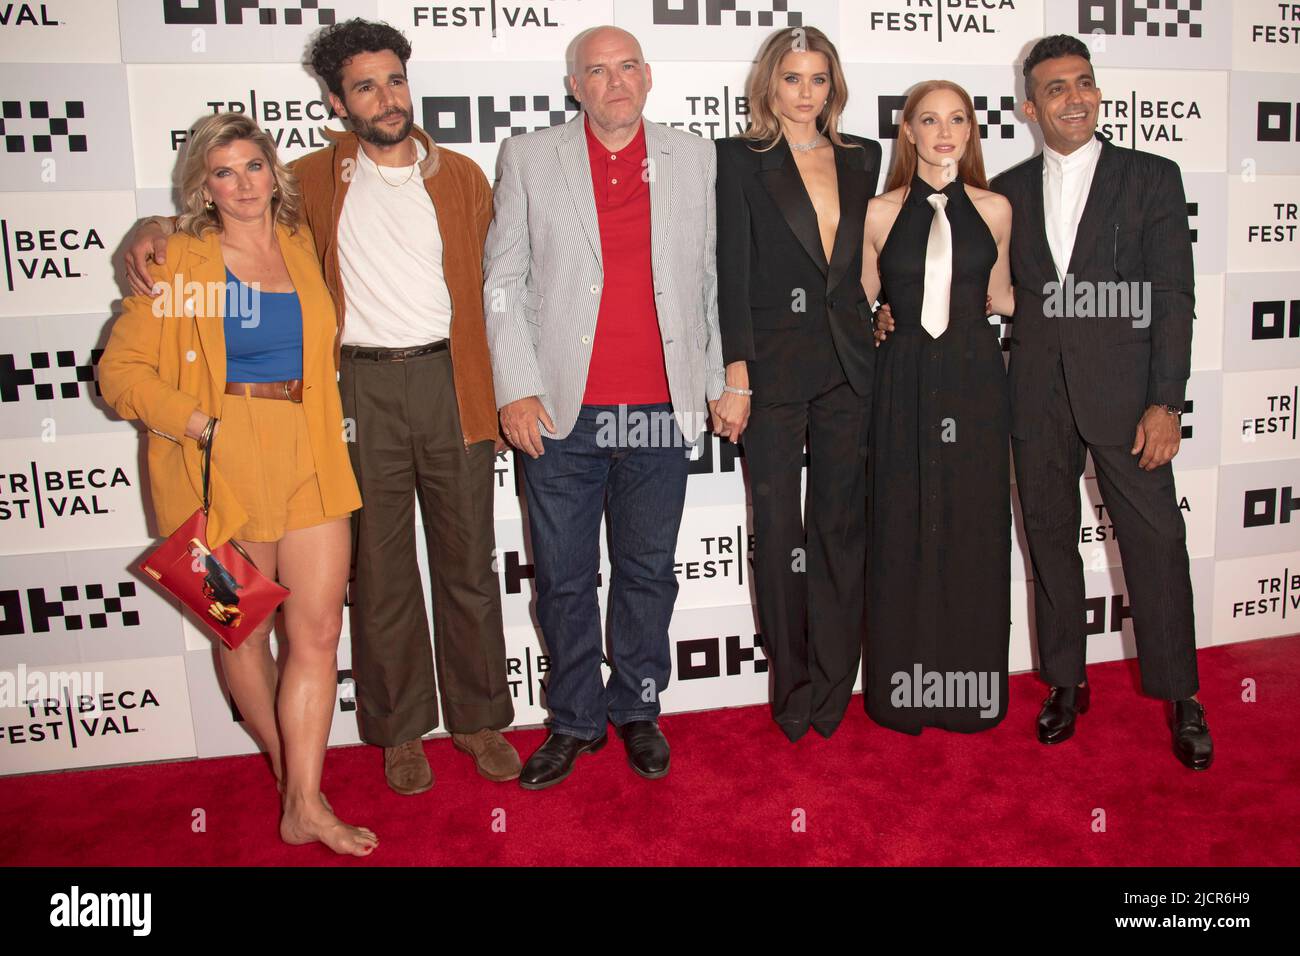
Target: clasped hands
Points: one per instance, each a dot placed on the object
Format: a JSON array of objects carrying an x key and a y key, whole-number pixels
[{"x": 521, "y": 419}]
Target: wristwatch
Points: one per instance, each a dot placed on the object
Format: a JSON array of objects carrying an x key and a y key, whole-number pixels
[{"x": 1175, "y": 410}]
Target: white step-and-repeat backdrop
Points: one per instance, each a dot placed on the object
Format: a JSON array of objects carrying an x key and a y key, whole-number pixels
[{"x": 96, "y": 667}]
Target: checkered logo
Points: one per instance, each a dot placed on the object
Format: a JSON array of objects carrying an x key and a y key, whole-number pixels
[
  {"x": 452, "y": 119},
  {"x": 1273, "y": 122},
  {"x": 732, "y": 13},
  {"x": 1193, "y": 210},
  {"x": 204, "y": 12},
  {"x": 1003, "y": 324},
  {"x": 39, "y": 125},
  {"x": 1269, "y": 319},
  {"x": 42, "y": 611},
  {"x": 1150, "y": 18},
  {"x": 1188, "y": 407},
  {"x": 68, "y": 376},
  {"x": 707, "y": 657},
  {"x": 999, "y": 119}
]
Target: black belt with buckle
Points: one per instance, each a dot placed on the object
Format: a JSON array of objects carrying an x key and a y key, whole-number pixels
[{"x": 392, "y": 355}]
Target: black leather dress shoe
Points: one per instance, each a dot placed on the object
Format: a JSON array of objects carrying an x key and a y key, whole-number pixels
[
  {"x": 647, "y": 748},
  {"x": 553, "y": 760},
  {"x": 1192, "y": 743},
  {"x": 1056, "y": 719}
]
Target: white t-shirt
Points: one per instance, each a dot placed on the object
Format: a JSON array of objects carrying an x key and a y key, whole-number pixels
[
  {"x": 390, "y": 259},
  {"x": 1067, "y": 181}
]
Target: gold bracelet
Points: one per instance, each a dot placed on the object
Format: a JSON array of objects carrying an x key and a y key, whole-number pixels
[{"x": 205, "y": 436}]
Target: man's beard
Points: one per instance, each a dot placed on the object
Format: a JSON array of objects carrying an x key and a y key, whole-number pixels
[{"x": 373, "y": 133}]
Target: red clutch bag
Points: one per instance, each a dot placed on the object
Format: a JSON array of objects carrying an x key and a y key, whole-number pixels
[{"x": 222, "y": 586}]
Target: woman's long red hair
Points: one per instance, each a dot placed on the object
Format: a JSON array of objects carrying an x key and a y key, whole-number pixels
[{"x": 971, "y": 165}]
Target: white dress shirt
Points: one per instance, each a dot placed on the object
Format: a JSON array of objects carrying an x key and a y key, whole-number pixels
[{"x": 1066, "y": 181}]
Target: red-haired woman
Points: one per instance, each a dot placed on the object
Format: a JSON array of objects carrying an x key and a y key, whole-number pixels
[{"x": 939, "y": 561}]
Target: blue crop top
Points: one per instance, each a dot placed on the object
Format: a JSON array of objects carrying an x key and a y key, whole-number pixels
[{"x": 263, "y": 334}]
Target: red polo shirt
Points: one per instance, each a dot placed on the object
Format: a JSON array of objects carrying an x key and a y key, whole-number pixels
[{"x": 627, "y": 357}]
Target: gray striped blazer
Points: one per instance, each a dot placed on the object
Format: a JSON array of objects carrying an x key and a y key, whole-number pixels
[{"x": 543, "y": 276}]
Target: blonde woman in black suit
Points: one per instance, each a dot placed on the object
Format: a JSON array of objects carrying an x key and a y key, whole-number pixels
[{"x": 797, "y": 341}]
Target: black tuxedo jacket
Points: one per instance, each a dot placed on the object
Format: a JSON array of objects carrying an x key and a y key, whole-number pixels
[
  {"x": 1121, "y": 322},
  {"x": 769, "y": 246}
]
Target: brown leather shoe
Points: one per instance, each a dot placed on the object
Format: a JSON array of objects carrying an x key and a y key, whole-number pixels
[
  {"x": 496, "y": 759},
  {"x": 407, "y": 768}
]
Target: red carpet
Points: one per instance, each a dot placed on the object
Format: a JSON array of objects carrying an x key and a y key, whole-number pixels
[{"x": 869, "y": 796}]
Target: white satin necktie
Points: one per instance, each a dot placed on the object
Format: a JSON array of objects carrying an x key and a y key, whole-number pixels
[{"x": 938, "y": 270}]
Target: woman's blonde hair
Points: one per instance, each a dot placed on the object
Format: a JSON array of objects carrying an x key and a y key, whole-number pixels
[
  {"x": 764, "y": 124},
  {"x": 971, "y": 165},
  {"x": 213, "y": 132}
]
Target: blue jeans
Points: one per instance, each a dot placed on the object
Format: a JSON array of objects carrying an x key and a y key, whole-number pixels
[{"x": 569, "y": 487}]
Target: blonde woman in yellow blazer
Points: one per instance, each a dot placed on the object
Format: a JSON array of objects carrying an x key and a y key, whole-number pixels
[{"x": 282, "y": 484}]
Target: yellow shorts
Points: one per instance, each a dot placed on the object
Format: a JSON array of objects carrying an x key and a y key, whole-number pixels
[{"x": 263, "y": 450}]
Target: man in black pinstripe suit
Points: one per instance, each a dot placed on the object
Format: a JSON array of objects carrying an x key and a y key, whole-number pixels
[{"x": 1093, "y": 218}]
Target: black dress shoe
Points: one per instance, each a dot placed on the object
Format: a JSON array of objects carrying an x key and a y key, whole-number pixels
[
  {"x": 553, "y": 760},
  {"x": 647, "y": 748},
  {"x": 1192, "y": 743},
  {"x": 1056, "y": 719}
]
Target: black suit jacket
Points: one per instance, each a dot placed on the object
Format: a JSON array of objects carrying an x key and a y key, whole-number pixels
[
  {"x": 769, "y": 246},
  {"x": 1132, "y": 236}
]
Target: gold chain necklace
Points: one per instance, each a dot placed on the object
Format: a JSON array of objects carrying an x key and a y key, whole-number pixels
[{"x": 409, "y": 176}]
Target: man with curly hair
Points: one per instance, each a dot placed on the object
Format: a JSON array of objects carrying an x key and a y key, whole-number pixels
[{"x": 399, "y": 224}]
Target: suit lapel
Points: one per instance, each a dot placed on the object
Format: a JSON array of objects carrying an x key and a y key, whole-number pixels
[
  {"x": 1101, "y": 198},
  {"x": 206, "y": 274},
  {"x": 659, "y": 153},
  {"x": 576, "y": 165},
  {"x": 780, "y": 177},
  {"x": 852, "y": 185}
]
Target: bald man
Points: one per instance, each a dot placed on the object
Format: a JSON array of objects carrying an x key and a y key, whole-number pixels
[{"x": 600, "y": 295}]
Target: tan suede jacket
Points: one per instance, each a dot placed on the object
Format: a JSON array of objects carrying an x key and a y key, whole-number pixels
[{"x": 462, "y": 199}]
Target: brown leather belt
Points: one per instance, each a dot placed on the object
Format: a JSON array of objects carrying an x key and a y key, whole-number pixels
[
  {"x": 290, "y": 391},
  {"x": 392, "y": 355}
]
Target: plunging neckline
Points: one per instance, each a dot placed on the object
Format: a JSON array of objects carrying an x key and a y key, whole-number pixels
[{"x": 835, "y": 166}]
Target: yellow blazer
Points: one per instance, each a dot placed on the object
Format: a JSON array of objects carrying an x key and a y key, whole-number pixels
[{"x": 167, "y": 356}]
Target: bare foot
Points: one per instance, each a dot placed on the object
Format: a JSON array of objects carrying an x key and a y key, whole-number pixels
[
  {"x": 299, "y": 826},
  {"x": 279, "y": 785}
]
